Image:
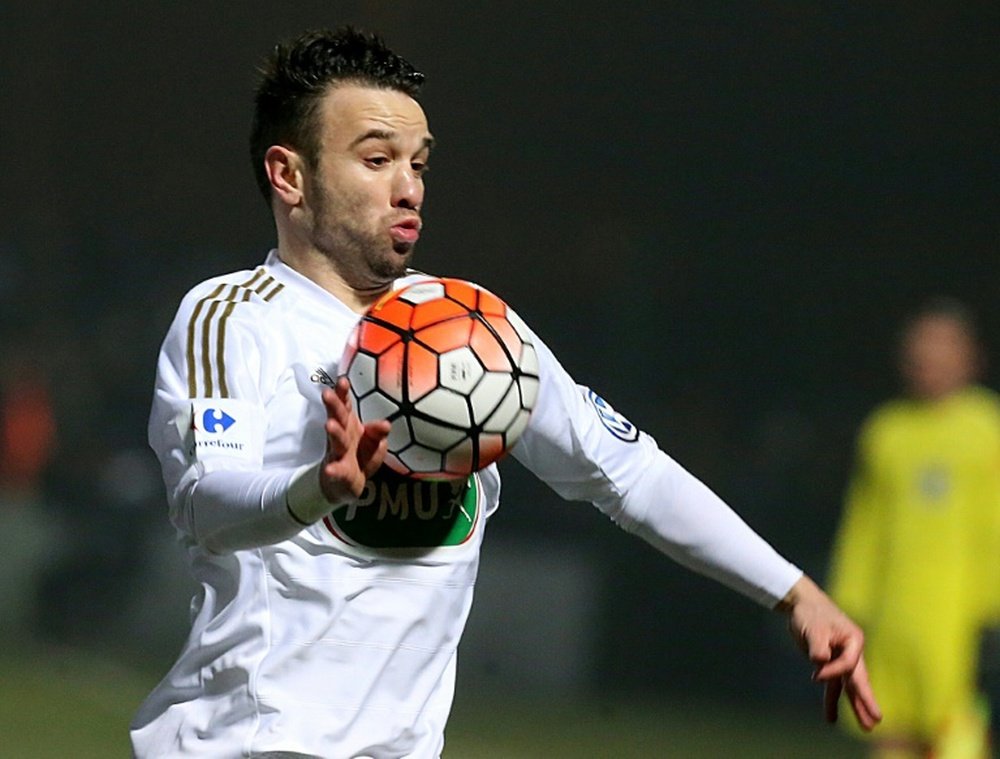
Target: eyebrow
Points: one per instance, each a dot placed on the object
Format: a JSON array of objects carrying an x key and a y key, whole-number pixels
[{"x": 385, "y": 134}]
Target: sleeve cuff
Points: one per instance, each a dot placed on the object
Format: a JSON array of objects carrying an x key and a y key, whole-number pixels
[{"x": 304, "y": 498}]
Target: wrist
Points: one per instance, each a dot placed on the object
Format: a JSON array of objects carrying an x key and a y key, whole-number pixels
[
  {"x": 802, "y": 588},
  {"x": 304, "y": 497}
]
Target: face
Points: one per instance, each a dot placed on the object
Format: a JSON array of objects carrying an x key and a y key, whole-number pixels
[
  {"x": 363, "y": 198},
  {"x": 938, "y": 357}
]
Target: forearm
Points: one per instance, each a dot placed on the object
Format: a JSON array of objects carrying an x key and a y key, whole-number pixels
[
  {"x": 226, "y": 510},
  {"x": 676, "y": 513},
  {"x": 585, "y": 451}
]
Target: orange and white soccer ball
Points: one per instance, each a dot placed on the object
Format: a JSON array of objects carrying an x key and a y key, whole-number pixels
[{"x": 452, "y": 367}]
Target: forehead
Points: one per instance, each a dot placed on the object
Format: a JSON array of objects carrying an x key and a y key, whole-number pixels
[
  {"x": 938, "y": 329},
  {"x": 348, "y": 111}
]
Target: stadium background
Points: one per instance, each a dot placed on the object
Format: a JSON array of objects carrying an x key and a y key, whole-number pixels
[{"x": 715, "y": 213}]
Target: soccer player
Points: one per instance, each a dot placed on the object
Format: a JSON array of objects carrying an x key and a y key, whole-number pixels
[
  {"x": 308, "y": 639},
  {"x": 917, "y": 558}
]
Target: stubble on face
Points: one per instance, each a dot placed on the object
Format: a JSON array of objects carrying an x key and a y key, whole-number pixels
[{"x": 360, "y": 254}]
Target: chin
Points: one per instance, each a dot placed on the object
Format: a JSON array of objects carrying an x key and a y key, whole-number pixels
[{"x": 390, "y": 270}]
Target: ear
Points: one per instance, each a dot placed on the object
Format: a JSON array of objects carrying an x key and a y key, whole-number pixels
[{"x": 284, "y": 171}]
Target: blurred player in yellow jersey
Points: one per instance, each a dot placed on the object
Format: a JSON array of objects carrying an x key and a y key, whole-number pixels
[{"x": 917, "y": 558}]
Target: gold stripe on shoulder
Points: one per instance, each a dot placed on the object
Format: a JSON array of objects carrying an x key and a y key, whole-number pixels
[
  {"x": 269, "y": 288},
  {"x": 220, "y": 336},
  {"x": 274, "y": 291},
  {"x": 206, "y": 355},
  {"x": 214, "y": 302},
  {"x": 220, "y": 347},
  {"x": 239, "y": 295},
  {"x": 192, "y": 378}
]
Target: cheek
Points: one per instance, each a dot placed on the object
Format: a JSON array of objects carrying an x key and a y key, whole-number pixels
[
  {"x": 339, "y": 204},
  {"x": 368, "y": 196}
]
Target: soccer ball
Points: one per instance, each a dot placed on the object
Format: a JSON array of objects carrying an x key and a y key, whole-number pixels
[{"x": 452, "y": 367}]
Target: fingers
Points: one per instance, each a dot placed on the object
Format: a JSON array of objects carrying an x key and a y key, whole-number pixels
[
  {"x": 354, "y": 450},
  {"x": 343, "y": 428},
  {"x": 373, "y": 446},
  {"x": 862, "y": 698},
  {"x": 834, "y": 644},
  {"x": 857, "y": 689},
  {"x": 818, "y": 649},
  {"x": 841, "y": 657},
  {"x": 338, "y": 398},
  {"x": 831, "y": 695}
]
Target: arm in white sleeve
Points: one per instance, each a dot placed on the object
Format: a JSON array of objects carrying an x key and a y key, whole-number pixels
[
  {"x": 226, "y": 502},
  {"x": 584, "y": 450},
  {"x": 226, "y": 510},
  {"x": 676, "y": 513},
  {"x": 211, "y": 448}
]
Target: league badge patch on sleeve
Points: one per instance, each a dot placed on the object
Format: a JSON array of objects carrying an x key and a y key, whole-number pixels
[
  {"x": 614, "y": 422},
  {"x": 224, "y": 428}
]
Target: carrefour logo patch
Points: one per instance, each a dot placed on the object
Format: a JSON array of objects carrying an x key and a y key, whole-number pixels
[
  {"x": 223, "y": 427},
  {"x": 216, "y": 420},
  {"x": 614, "y": 422}
]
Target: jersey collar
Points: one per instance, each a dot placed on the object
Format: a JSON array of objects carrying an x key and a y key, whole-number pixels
[{"x": 302, "y": 286}]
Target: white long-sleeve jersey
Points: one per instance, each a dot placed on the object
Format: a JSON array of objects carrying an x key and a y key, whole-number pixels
[{"x": 339, "y": 639}]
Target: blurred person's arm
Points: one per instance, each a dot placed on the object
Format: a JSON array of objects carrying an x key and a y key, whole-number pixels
[
  {"x": 858, "y": 544},
  {"x": 988, "y": 528}
]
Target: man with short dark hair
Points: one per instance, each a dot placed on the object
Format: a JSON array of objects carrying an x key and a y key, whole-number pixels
[{"x": 309, "y": 639}]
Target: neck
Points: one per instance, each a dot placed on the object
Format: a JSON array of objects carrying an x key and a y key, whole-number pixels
[
  {"x": 939, "y": 396},
  {"x": 319, "y": 268}
]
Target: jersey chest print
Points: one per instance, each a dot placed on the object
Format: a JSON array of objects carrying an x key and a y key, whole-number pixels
[{"x": 401, "y": 512}]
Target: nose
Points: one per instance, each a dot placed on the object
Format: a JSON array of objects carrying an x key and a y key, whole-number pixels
[{"x": 407, "y": 189}]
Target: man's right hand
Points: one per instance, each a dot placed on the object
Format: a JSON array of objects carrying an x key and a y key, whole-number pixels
[{"x": 354, "y": 450}]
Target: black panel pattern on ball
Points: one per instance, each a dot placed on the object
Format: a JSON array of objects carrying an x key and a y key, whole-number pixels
[{"x": 465, "y": 415}]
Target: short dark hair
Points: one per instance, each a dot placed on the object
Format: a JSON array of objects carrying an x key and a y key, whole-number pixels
[{"x": 298, "y": 73}]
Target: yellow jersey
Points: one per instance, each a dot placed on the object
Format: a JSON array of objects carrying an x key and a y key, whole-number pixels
[{"x": 917, "y": 556}]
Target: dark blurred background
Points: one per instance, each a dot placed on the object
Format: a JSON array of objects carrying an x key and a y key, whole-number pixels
[{"x": 716, "y": 214}]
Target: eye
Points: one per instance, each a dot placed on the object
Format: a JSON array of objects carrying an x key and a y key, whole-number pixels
[
  {"x": 377, "y": 161},
  {"x": 419, "y": 167}
]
